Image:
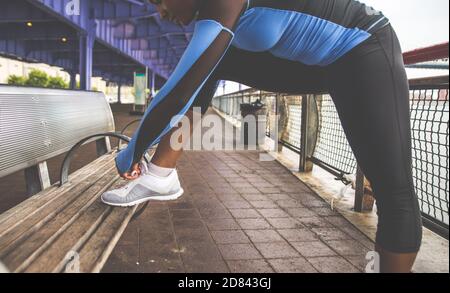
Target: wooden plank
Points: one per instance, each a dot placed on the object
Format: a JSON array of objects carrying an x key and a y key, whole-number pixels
[
  {"x": 19, "y": 255},
  {"x": 52, "y": 259},
  {"x": 28, "y": 207},
  {"x": 42, "y": 214},
  {"x": 75, "y": 177},
  {"x": 23, "y": 209},
  {"x": 95, "y": 252},
  {"x": 37, "y": 178},
  {"x": 48, "y": 227}
]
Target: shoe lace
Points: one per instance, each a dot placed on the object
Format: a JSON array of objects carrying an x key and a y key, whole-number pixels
[
  {"x": 126, "y": 186},
  {"x": 143, "y": 166},
  {"x": 144, "y": 170}
]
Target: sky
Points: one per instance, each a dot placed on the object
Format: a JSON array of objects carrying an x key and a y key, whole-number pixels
[{"x": 418, "y": 23}]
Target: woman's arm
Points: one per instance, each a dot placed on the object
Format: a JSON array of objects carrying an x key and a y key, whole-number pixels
[{"x": 213, "y": 34}]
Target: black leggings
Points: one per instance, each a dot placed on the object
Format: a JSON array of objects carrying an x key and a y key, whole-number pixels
[{"x": 370, "y": 89}]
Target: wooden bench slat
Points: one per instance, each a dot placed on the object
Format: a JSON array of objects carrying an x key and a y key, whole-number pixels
[
  {"x": 77, "y": 173},
  {"x": 43, "y": 213},
  {"x": 41, "y": 233},
  {"x": 95, "y": 252},
  {"x": 53, "y": 258},
  {"x": 19, "y": 255},
  {"x": 22, "y": 210}
]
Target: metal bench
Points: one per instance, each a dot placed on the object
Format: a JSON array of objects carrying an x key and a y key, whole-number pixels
[{"x": 61, "y": 227}]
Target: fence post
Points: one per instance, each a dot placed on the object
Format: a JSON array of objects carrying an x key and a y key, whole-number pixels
[
  {"x": 281, "y": 122},
  {"x": 309, "y": 132},
  {"x": 277, "y": 130},
  {"x": 363, "y": 201}
]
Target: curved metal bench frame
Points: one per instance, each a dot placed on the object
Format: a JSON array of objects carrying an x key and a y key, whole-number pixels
[
  {"x": 129, "y": 124},
  {"x": 119, "y": 141},
  {"x": 125, "y": 128},
  {"x": 64, "y": 173}
]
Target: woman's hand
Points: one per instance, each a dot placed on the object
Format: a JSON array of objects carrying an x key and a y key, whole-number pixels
[{"x": 133, "y": 174}]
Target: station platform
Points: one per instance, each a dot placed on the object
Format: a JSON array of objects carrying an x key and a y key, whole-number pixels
[{"x": 239, "y": 214}]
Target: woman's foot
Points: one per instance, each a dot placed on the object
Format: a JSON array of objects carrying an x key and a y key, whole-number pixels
[{"x": 148, "y": 186}]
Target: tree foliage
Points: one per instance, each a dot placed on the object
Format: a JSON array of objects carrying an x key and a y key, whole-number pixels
[
  {"x": 38, "y": 78},
  {"x": 17, "y": 80}
]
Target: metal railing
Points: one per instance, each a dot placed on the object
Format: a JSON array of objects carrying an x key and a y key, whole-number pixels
[
  {"x": 330, "y": 150},
  {"x": 430, "y": 119}
]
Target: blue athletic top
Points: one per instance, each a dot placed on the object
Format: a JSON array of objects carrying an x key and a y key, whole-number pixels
[{"x": 314, "y": 32}]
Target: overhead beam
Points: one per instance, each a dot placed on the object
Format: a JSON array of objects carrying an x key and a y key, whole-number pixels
[
  {"x": 21, "y": 12},
  {"x": 38, "y": 32},
  {"x": 123, "y": 10}
]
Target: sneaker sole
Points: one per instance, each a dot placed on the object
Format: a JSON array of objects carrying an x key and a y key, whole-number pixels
[{"x": 142, "y": 200}]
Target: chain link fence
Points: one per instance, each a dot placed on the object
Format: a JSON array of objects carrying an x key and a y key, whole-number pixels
[{"x": 429, "y": 121}]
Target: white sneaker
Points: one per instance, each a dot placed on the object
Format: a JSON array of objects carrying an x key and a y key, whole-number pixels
[{"x": 147, "y": 187}]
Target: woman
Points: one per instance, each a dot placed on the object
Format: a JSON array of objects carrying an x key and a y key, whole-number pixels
[{"x": 293, "y": 46}]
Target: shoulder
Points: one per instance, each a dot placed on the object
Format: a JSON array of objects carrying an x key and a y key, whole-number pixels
[{"x": 227, "y": 12}]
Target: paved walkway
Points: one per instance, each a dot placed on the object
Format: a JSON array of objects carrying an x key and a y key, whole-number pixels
[{"x": 239, "y": 214}]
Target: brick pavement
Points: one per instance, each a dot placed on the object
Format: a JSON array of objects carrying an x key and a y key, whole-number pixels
[{"x": 239, "y": 214}]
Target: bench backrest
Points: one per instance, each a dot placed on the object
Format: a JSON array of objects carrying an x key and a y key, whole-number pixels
[{"x": 37, "y": 124}]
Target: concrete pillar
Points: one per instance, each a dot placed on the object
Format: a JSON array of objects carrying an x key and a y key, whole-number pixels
[
  {"x": 73, "y": 80},
  {"x": 119, "y": 88},
  {"x": 86, "y": 52},
  {"x": 153, "y": 83},
  {"x": 86, "y": 43}
]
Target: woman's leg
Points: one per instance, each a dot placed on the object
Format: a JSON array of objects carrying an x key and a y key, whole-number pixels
[
  {"x": 391, "y": 262},
  {"x": 165, "y": 155},
  {"x": 370, "y": 89}
]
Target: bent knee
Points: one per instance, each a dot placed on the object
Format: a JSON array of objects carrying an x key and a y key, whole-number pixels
[{"x": 399, "y": 223}]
